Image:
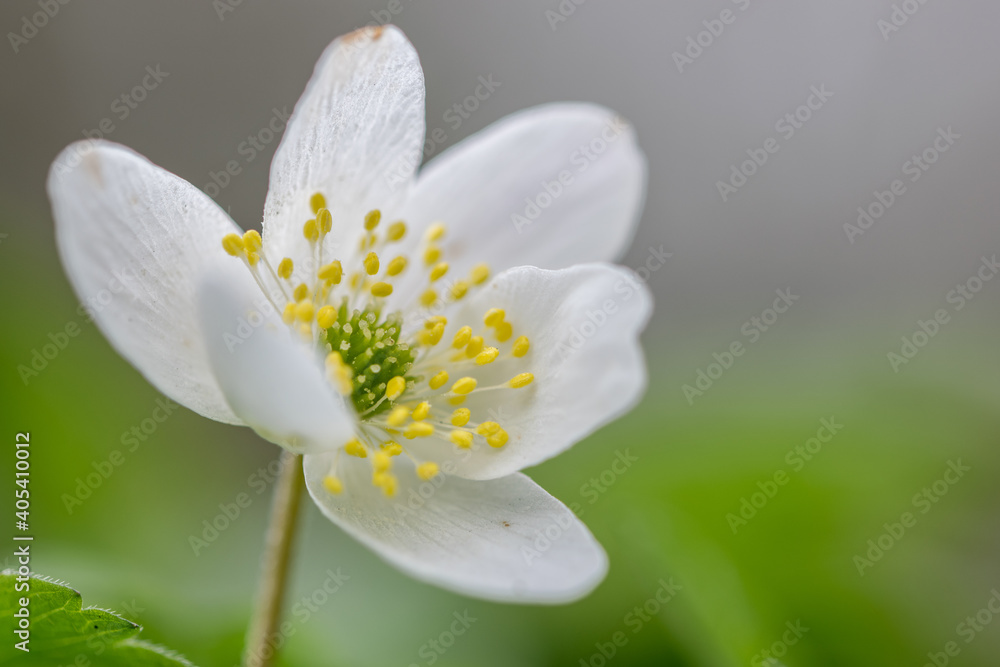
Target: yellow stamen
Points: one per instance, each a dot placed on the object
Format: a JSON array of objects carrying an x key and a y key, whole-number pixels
[
  {"x": 427, "y": 470},
  {"x": 435, "y": 232},
  {"x": 355, "y": 448},
  {"x": 397, "y": 230},
  {"x": 381, "y": 289},
  {"x": 285, "y": 268},
  {"x": 488, "y": 428},
  {"x": 439, "y": 270},
  {"x": 332, "y": 273},
  {"x": 317, "y": 201},
  {"x": 521, "y": 346},
  {"x": 422, "y": 411},
  {"x": 428, "y": 298},
  {"x": 494, "y": 316},
  {"x": 488, "y": 355},
  {"x": 462, "y": 438},
  {"x": 324, "y": 220},
  {"x": 253, "y": 258},
  {"x": 339, "y": 373},
  {"x": 387, "y": 482},
  {"x": 396, "y": 266},
  {"x": 459, "y": 289},
  {"x": 372, "y": 219},
  {"x": 462, "y": 337},
  {"x": 233, "y": 244},
  {"x": 460, "y": 417},
  {"x": 439, "y": 380},
  {"x": 418, "y": 430},
  {"x": 301, "y": 292},
  {"x": 457, "y": 400},
  {"x": 475, "y": 346},
  {"x": 311, "y": 231},
  {"x": 479, "y": 274},
  {"x": 252, "y": 240},
  {"x": 288, "y": 316},
  {"x": 333, "y": 485},
  {"x": 392, "y": 448},
  {"x": 398, "y": 416},
  {"x": 395, "y": 387},
  {"x": 504, "y": 331},
  {"x": 463, "y": 386},
  {"x": 304, "y": 311},
  {"x": 326, "y": 316},
  {"x": 521, "y": 380},
  {"x": 371, "y": 264},
  {"x": 432, "y": 255},
  {"x": 435, "y": 319},
  {"x": 381, "y": 462},
  {"x": 433, "y": 336},
  {"x": 498, "y": 439}
]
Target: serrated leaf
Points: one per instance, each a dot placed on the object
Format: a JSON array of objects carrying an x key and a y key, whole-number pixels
[{"x": 63, "y": 630}]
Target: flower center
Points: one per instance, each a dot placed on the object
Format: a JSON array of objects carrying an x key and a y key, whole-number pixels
[{"x": 411, "y": 384}]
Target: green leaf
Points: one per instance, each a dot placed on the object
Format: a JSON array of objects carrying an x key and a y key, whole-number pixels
[{"x": 62, "y": 630}]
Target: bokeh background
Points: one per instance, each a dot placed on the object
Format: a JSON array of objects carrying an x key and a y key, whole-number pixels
[{"x": 794, "y": 563}]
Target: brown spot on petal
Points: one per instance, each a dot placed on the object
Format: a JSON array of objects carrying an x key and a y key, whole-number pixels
[{"x": 369, "y": 33}]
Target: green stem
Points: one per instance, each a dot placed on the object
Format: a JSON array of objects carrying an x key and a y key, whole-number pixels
[{"x": 277, "y": 556}]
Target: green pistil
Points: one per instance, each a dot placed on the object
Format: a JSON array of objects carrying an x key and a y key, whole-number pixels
[{"x": 370, "y": 346}]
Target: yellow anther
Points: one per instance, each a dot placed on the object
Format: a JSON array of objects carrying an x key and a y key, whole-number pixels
[
  {"x": 427, "y": 470},
  {"x": 488, "y": 428},
  {"x": 462, "y": 438},
  {"x": 311, "y": 231},
  {"x": 494, "y": 316},
  {"x": 317, "y": 201},
  {"x": 324, "y": 220},
  {"x": 439, "y": 380},
  {"x": 381, "y": 289},
  {"x": 432, "y": 336},
  {"x": 422, "y": 411},
  {"x": 381, "y": 462},
  {"x": 332, "y": 273},
  {"x": 233, "y": 244},
  {"x": 392, "y": 448},
  {"x": 339, "y": 373},
  {"x": 521, "y": 346},
  {"x": 462, "y": 337},
  {"x": 395, "y": 387},
  {"x": 397, "y": 230},
  {"x": 459, "y": 289},
  {"x": 435, "y": 232},
  {"x": 432, "y": 255},
  {"x": 371, "y": 264},
  {"x": 428, "y": 298},
  {"x": 301, "y": 292},
  {"x": 504, "y": 331},
  {"x": 285, "y": 268},
  {"x": 439, "y": 270},
  {"x": 463, "y": 386},
  {"x": 355, "y": 448},
  {"x": 480, "y": 274},
  {"x": 372, "y": 219},
  {"x": 253, "y": 258},
  {"x": 396, "y": 266},
  {"x": 474, "y": 347},
  {"x": 433, "y": 320},
  {"x": 252, "y": 240},
  {"x": 398, "y": 416},
  {"x": 457, "y": 400},
  {"x": 460, "y": 417},
  {"x": 288, "y": 316},
  {"x": 488, "y": 355},
  {"x": 333, "y": 485},
  {"x": 304, "y": 311},
  {"x": 521, "y": 380},
  {"x": 418, "y": 430},
  {"x": 498, "y": 439},
  {"x": 326, "y": 316},
  {"x": 356, "y": 279},
  {"x": 387, "y": 482}
]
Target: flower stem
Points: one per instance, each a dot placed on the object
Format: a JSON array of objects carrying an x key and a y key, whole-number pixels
[{"x": 274, "y": 568}]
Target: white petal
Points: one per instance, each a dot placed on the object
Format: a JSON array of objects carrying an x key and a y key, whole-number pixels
[
  {"x": 505, "y": 540},
  {"x": 133, "y": 239},
  {"x": 356, "y": 136},
  {"x": 272, "y": 380},
  {"x": 583, "y": 324},
  {"x": 479, "y": 186}
]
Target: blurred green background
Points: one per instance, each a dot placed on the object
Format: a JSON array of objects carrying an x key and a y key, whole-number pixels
[{"x": 794, "y": 563}]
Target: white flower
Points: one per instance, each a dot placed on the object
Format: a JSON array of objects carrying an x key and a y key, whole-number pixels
[{"x": 418, "y": 365}]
